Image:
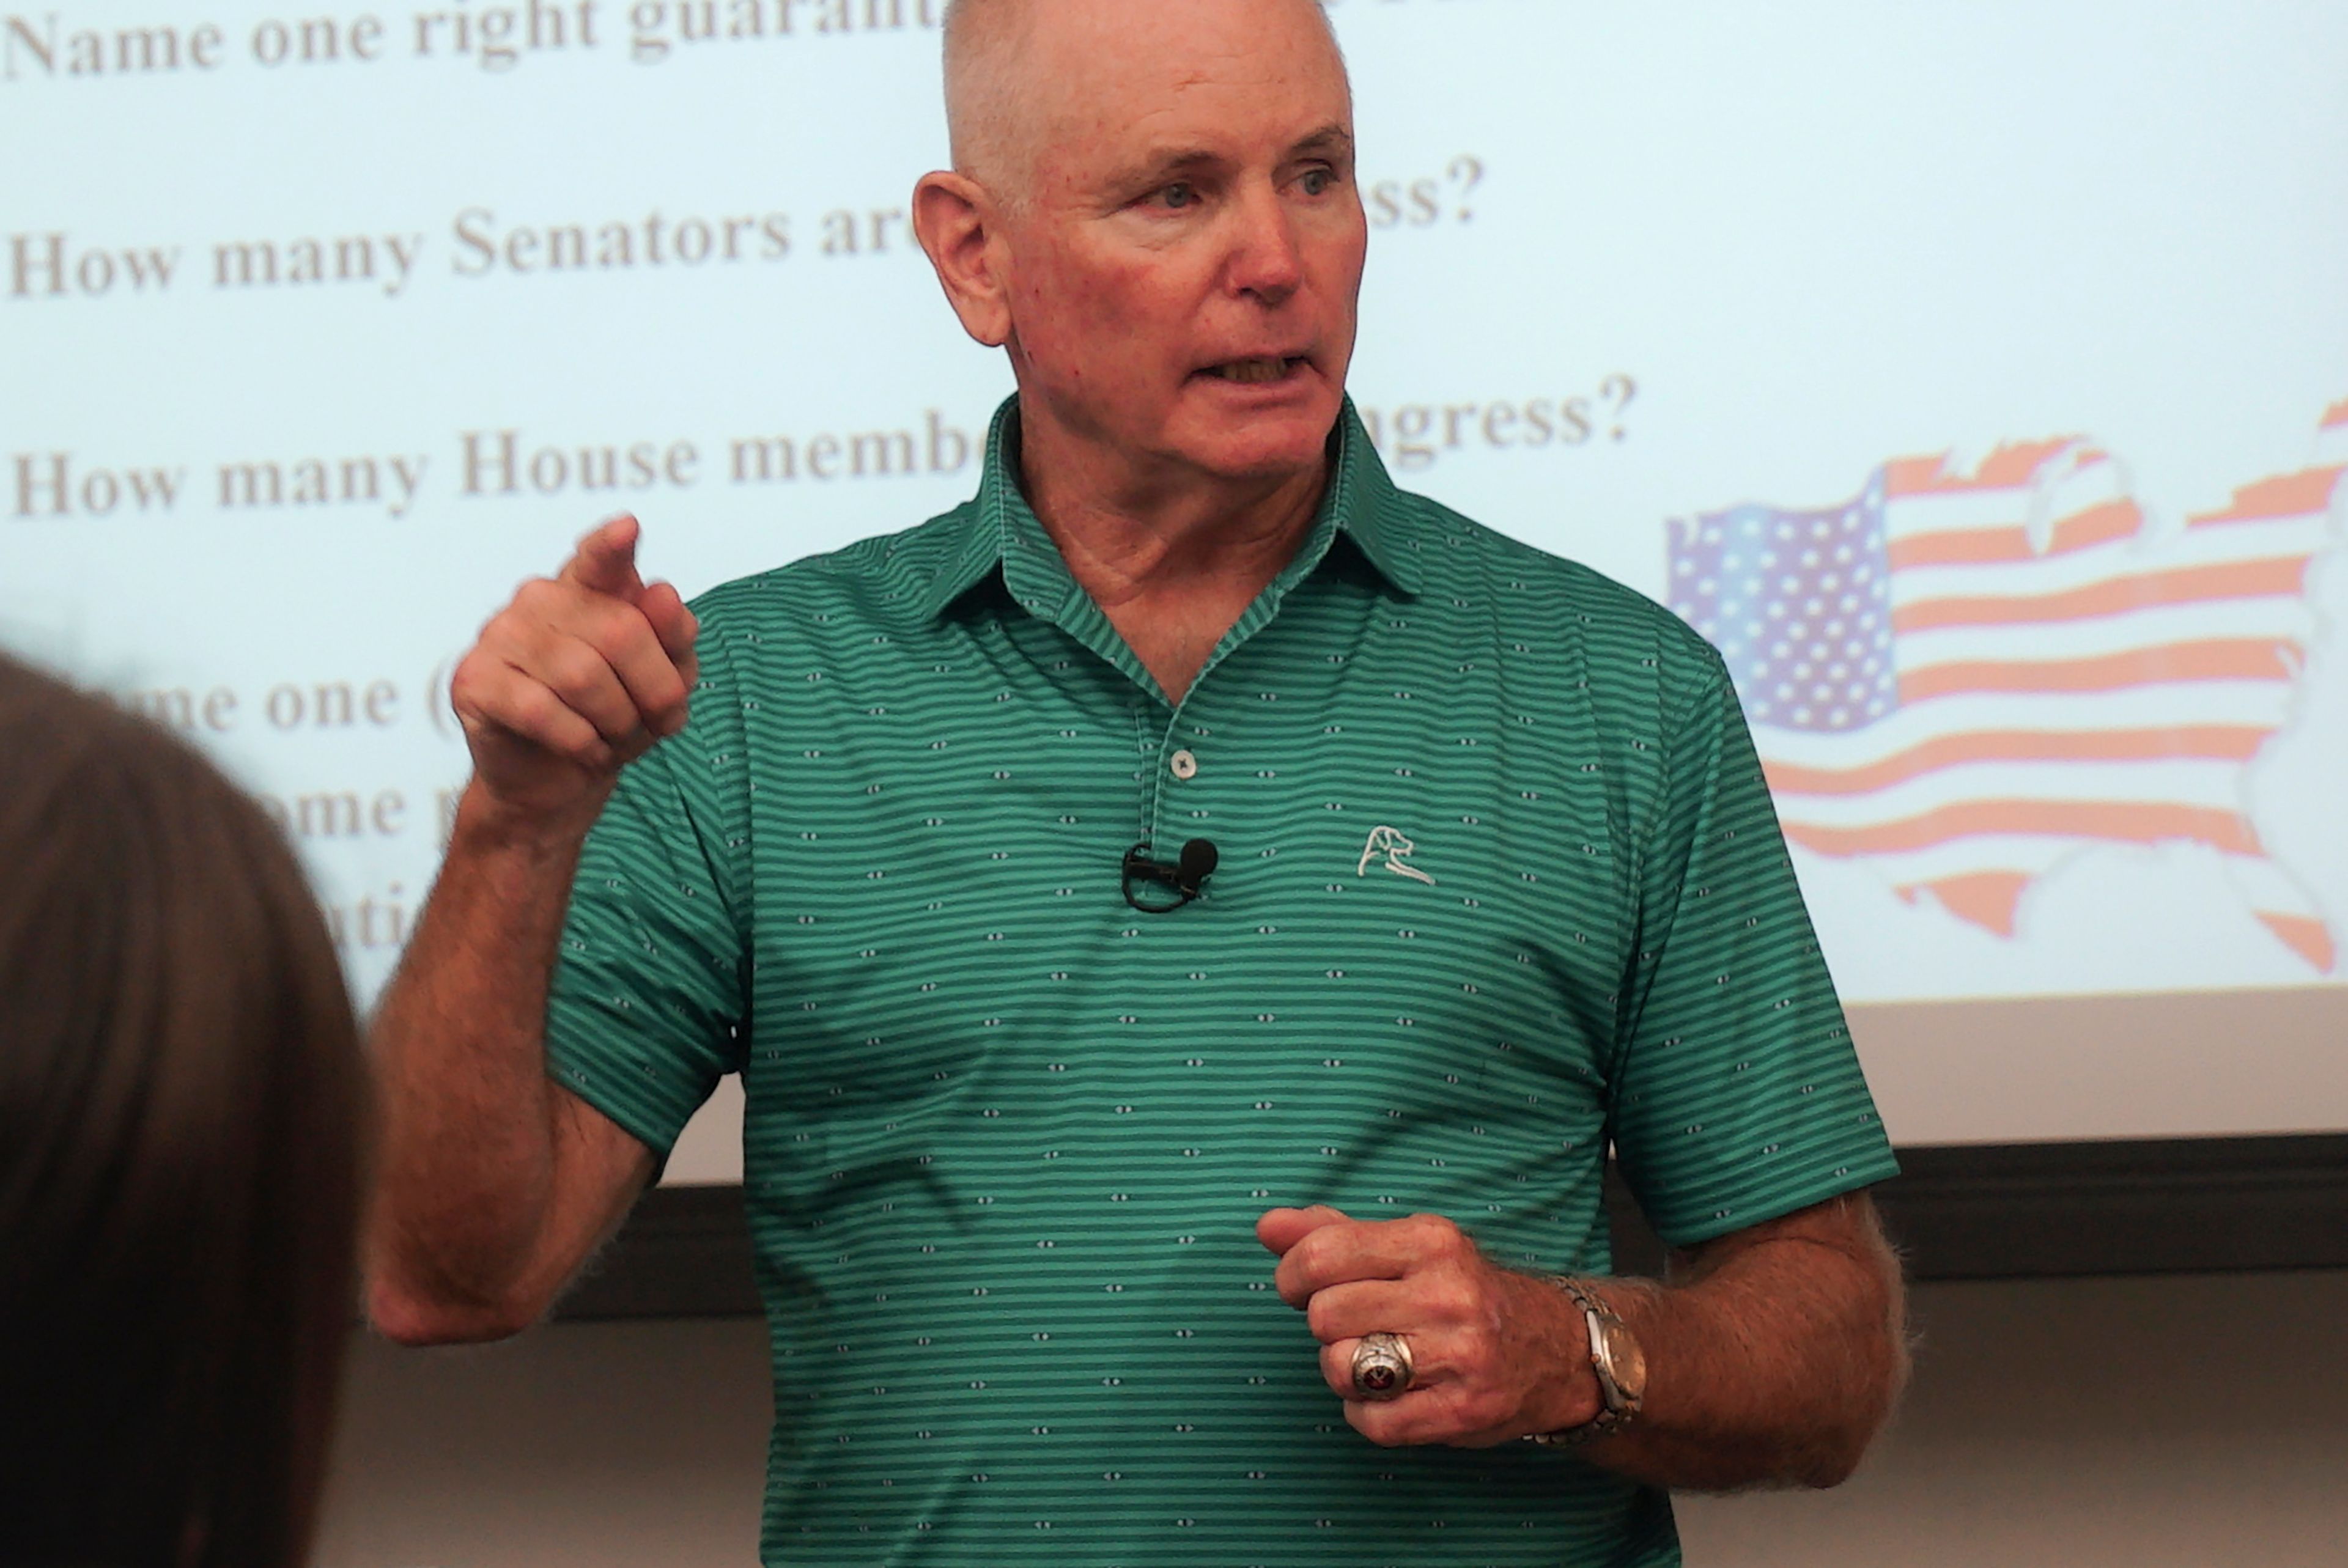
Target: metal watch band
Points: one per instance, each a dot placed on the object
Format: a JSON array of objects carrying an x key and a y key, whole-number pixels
[{"x": 1617, "y": 1409}]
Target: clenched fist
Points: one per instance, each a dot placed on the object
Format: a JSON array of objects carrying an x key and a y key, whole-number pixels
[
  {"x": 581, "y": 673},
  {"x": 1496, "y": 1355}
]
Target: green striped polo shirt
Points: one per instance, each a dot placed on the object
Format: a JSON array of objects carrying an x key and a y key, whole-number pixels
[{"x": 1500, "y": 884}]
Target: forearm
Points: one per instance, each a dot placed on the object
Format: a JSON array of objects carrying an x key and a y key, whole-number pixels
[
  {"x": 469, "y": 1149},
  {"x": 1775, "y": 1364}
]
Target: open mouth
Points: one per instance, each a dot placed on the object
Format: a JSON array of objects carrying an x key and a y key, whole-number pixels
[{"x": 1256, "y": 371}]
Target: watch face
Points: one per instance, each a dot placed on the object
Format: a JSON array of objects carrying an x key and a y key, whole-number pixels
[{"x": 1625, "y": 1363}]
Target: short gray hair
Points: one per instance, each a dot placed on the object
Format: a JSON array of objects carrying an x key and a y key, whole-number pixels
[{"x": 981, "y": 38}]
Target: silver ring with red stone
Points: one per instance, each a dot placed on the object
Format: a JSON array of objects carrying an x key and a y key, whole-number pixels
[{"x": 1382, "y": 1368}]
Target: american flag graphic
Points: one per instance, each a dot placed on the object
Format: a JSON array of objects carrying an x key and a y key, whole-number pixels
[{"x": 1964, "y": 678}]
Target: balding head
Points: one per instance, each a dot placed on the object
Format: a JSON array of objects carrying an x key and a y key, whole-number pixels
[{"x": 997, "y": 115}]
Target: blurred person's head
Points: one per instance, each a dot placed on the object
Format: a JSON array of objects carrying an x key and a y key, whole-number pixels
[{"x": 182, "y": 1107}]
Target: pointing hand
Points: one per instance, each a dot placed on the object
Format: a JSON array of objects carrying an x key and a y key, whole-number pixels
[{"x": 583, "y": 672}]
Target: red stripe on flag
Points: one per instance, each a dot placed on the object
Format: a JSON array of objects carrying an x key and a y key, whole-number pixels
[
  {"x": 2299, "y": 495},
  {"x": 1987, "y": 899},
  {"x": 2198, "y": 743},
  {"x": 2009, "y": 468},
  {"x": 2121, "y": 822},
  {"x": 2217, "y": 659},
  {"x": 2307, "y": 937},
  {"x": 2113, "y": 596},
  {"x": 2336, "y": 417},
  {"x": 1992, "y": 546}
]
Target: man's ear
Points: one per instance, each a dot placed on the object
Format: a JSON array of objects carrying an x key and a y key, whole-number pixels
[{"x": 955, "y": 219}]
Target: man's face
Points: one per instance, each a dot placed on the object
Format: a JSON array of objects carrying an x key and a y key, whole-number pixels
[{"x": 1184, "y": 275}]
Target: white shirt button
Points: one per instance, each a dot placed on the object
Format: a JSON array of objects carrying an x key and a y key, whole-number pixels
[{"x": 1184, "y": 764}]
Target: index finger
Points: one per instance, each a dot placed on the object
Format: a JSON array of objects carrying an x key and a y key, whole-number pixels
[
  {"x": 1340, "y": 1255},
  {"x": 1279, "y": 1229},
  {"x": 673, "y": 623},
  {"x": 605, "y": 560}
]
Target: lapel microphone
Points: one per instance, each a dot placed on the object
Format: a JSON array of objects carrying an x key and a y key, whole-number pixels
[{"x": 1186, "y": 876}]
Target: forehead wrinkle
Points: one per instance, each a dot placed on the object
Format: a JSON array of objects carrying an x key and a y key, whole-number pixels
[{"x": 1181, "y": 143}]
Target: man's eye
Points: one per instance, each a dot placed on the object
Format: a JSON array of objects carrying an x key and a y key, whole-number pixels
[
  {"x": 1318, "y": 182},
  {"x": 1180, "y": 194}
]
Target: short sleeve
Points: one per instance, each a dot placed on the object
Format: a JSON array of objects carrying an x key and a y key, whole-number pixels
[
  {"x": 1736, "y": 1094},
  {"x": 647, "y": 1007}
]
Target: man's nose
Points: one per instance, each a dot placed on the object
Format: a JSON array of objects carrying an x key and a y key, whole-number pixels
[{"x": 1266, "y": 260}]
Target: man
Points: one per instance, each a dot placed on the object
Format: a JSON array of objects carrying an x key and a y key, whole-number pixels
[{"x": 1494, "y": 882}]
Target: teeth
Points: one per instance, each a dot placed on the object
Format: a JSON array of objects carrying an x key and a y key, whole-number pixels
[{"x": 1254, "y": 369}]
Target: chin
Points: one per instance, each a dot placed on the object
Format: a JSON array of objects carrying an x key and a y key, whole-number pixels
[{"x": 1269, "y": 445}]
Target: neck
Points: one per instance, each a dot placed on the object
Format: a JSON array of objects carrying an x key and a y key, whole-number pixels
[{"x": 1173, "y": 561}]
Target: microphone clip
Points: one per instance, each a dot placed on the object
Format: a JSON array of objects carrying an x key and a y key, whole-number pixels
[{"x": 1187, "y": 876}]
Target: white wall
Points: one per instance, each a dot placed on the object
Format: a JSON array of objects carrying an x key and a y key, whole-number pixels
[{"x": 2145, "y": 1423}]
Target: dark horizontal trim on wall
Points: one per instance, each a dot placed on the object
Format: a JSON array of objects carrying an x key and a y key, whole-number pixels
[
  {"x": 1959, "y": 1212},
  {"x": 2178, "y": 1206}
]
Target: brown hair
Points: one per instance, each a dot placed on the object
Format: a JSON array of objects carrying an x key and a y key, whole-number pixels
[{"x": 182, "y": 1106}]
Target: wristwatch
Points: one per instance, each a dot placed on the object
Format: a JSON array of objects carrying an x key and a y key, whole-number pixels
[{"x": 1616, "y": 1358}]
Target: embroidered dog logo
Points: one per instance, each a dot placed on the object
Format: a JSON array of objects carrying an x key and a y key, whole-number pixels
[{"x": 1398, "y": 848}]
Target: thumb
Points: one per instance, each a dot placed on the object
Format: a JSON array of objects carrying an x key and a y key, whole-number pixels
[
  {"x": 605, "y": 560},
  {"x": 1281, "y": 1229}
]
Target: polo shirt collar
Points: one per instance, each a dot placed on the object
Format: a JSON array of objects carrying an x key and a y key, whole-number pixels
[{"x": 1000, "y": 533}]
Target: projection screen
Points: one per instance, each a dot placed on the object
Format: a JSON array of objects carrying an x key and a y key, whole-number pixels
[{"x": 1975, "y": 376}]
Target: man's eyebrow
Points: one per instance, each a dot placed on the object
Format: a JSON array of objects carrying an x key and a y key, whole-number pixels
[
  {"x": 1162, "y": 162},
  {"x": 1331, "y": 138}
]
